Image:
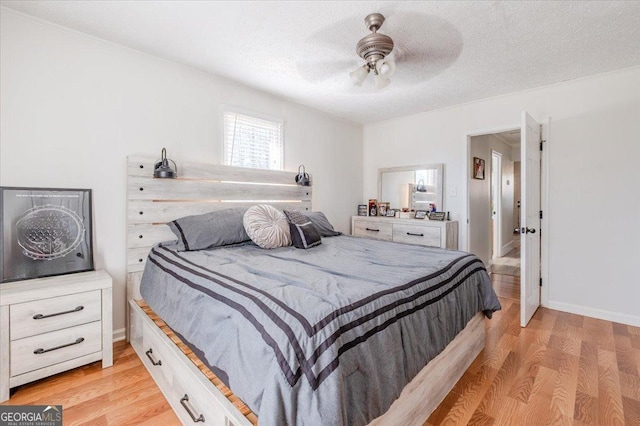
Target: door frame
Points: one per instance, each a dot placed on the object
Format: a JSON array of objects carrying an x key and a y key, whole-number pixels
[
  {"x": 496, "y": 234},
  {"x": 544, "y": 196}
]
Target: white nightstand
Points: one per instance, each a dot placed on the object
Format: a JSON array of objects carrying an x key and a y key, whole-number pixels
[{"x": 54, "y": 324}]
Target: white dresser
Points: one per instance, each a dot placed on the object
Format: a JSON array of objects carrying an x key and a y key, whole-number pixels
[
  {"x": 423, "y": 232},
  {"x": 49, "y": 325}
]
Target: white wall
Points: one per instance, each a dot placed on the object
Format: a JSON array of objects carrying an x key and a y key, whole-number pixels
[
  {"x": 594, "y": 203},
  {"x": 73, "y": 107},
  {"x": 480, "y": 236}
]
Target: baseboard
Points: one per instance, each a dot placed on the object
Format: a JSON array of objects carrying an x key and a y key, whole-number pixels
[
  {"x": 119, "y": 334},
  {"x": 507, "y": 248},
  {"x": 633, "y": 320}
]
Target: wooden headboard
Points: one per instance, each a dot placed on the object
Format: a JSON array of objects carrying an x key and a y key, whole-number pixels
[{"x": 199, "y": 188}]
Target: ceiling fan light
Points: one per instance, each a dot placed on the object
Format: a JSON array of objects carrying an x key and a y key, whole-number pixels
[
  {"x": 382, "y": 82},
  {"x": 386, "y": 67},
  {"x": 359, "y": 75}
]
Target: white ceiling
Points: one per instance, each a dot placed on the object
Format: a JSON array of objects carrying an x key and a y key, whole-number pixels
[
  {"x": 447, "y": 52},
  {"x": 511, "y": 138}
]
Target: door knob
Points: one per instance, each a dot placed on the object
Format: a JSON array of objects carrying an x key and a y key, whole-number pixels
[{"x": 528, "y": 230}]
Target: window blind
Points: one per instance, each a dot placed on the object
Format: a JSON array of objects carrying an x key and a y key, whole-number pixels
[{"x": 252, "y": 142}]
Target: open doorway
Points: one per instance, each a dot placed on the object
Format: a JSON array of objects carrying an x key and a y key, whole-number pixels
[
  {"x": 508, "y": 263},
  {"x": 493, "y": 209},
  {"x": 534, "y": 179},
  {"x": 494, "y": 212}
]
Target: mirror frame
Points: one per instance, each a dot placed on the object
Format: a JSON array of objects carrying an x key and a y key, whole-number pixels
[{"x": 438, "y": 166}]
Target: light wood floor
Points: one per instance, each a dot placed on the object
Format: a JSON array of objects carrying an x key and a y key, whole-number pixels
[
  {"x": 562, "y": 369},
  {"x": 509, "y": 264}
]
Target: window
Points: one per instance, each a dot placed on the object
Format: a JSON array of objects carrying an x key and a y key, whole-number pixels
[{"x": 251, "y": 141}]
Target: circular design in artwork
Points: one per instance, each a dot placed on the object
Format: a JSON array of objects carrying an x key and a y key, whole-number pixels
[{"x": 49, "y": 232}]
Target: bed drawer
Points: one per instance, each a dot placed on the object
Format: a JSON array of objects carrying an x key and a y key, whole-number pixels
[
  {"x": 192, "y": 403},
  {"x": 177, "y": 376},
  {"x": 190, "y": 400},
  {"x": 414, "y": 234},
  {"x": 45, "y": 315},
  {"x": 157, "y": 358},
  {"x": 43, "y": 350},
  {"x": 377, "y": 230}
]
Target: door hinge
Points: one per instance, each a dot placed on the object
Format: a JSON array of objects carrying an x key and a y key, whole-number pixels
[
  {"x": 541, "y": 282},
  {"x": 540, "y": 214},
  {"x": 541, "y": 142}
]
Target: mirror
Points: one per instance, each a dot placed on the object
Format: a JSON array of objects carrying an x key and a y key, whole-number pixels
[{"x": 412, "y": 187}]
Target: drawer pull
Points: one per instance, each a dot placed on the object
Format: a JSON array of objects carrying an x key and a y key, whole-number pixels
[
  {"x": 41, "y": 351},
  {"x": 415, "y": 235},
  {"x": 153, "y": 361},
  {"x": 184, "y": 400},
  {"x": 40, "y": 316},
  {"x": 372, "y": 229}
]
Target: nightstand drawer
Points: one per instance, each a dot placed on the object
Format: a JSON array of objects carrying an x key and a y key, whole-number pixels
[
  {"x": 415, "y": 234},
  {"x": 55, "y": 313},
  {"x": 369, "y": 229},
  {"x": 35, "y": 352}
]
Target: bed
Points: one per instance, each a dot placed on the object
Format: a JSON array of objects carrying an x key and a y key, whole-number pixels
[{"x": 295, "y": 334}]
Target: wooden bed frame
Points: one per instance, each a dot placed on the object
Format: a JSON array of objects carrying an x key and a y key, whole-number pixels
[{"x": 201, "y": 188}]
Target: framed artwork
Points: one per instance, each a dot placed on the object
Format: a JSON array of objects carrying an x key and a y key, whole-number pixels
[
  {"x": 362, "y": 209},
  {"x": 421, "y": 214},
  {"x": 45, "y": 231},
  {"x": 438, "y": 216},
  {"x": 382, "y": 208},
  {"x": 391, "y": 213},
  {"x": 478, "y": 168}
]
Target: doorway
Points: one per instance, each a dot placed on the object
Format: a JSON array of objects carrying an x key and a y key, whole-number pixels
[
  {"x": 491, "y": 200},
  {"x": 481, "y": 238}
]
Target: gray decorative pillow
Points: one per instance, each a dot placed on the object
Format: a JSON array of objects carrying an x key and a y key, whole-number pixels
[
  {"x": 304, "y": 234},
  {"x": 209, "y": 230},
  {"x": 322, "y": 223},
  {"x": 296, "y": 216},
  {"x": 267, "y": 227}
]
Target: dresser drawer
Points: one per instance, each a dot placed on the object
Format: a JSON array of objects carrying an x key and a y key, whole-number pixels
[
  {"x": 416, "y": 234},
  {"x": 42, "y": 350},
  {"x": 376, "y": 230},
  {"x": 55, "y": 313}
]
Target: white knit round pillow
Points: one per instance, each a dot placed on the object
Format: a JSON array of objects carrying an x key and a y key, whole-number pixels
[{"x": 267, "y": 227}]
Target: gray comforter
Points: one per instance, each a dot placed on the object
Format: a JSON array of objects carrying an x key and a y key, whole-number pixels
[{"x": 325, "y": 336}]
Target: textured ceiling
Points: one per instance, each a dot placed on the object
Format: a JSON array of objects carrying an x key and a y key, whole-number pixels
[{"x": 446, "y": 52}]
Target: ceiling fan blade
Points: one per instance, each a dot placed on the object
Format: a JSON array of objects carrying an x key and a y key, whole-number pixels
[{"x": 320, "y": 71}]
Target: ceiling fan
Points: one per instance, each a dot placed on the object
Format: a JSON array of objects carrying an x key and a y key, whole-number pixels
[
  {"x": 374, "y": 48},
  {"x": 423, "y": 46}
]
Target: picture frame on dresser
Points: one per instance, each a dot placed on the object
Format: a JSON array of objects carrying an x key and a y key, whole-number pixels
[
  {"x": 45, "y": 232},
  {"x": 420, "y": 214},
  {"x": 438, "y": 216}
]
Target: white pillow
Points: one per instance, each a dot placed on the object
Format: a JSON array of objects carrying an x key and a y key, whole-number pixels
[{"x": 267, "y": 227}]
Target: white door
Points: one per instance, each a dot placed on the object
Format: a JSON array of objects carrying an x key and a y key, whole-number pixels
[{"x": 529, "y": 218}]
